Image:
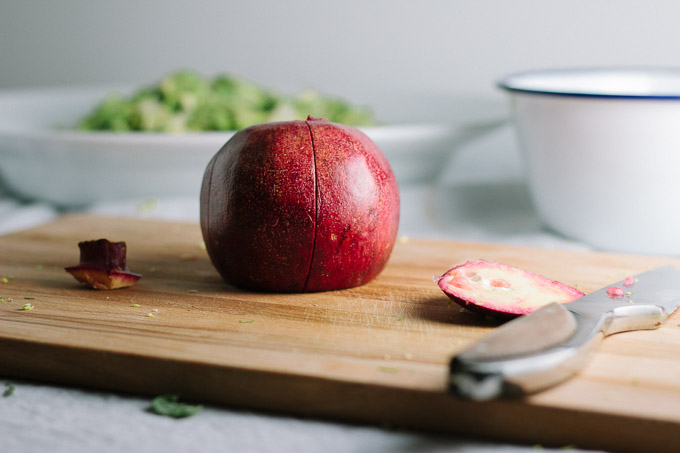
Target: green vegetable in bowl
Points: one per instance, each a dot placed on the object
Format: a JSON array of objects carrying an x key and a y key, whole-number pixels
[{"x": 186, "y": 101}]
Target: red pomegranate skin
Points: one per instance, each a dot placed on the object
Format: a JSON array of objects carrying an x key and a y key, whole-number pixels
[
  {"x": 299, "y": 206},
  {"x": 357, "y": 208}
]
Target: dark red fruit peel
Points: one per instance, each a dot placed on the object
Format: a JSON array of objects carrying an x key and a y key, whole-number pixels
[
  {"x": 502, "y": 291},
  {"x": 299, "y": 206},
  {"x": 258, "y": 207},
  {"x": 358, "y": 208},
  {"x": 103, "y": 265}
]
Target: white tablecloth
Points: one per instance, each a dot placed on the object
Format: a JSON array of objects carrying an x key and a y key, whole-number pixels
[{"x": 480, "y": 197}]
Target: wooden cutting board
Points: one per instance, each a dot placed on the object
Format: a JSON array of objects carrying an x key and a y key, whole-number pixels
[{"x": 377, "y": 354}]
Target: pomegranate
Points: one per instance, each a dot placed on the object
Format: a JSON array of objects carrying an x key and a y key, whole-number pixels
[{"x": 299, "y": 206}]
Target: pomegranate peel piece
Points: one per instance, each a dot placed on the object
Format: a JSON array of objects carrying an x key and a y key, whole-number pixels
[
  {"x": 103, "y": 265},
  {"x": 502, "y": 291}
]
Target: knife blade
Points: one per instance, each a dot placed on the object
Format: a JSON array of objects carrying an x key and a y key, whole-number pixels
[{"x": 544, "y": 348}]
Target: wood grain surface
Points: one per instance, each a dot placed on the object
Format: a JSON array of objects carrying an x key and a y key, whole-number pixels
[{"x": 375, "y": 354}]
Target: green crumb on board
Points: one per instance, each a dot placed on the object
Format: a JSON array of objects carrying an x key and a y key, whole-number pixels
[
  {"x": 4, "y": 280},
  {"x": 169, "y": 406},
  {"x": 28, "y": 306},
  {"x": 388, "y": 369},
  {"x": 147, "y": 206},
  {"x": 135, "y": 305},
  {"x": 250, "y": 321}
]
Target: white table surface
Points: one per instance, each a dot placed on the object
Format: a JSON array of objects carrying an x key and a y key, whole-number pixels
[{"x": 480, "y": 197}]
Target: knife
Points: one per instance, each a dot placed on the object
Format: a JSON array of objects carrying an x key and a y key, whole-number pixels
[{"x": 544, "y": 348}]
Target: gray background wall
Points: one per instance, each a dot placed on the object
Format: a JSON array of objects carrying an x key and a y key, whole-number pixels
[{"x": 349, "y": 47}]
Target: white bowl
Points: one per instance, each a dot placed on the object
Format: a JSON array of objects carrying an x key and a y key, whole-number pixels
[
  {"x": 602, "y": 149},
  {"x": 71, "y": 168}
]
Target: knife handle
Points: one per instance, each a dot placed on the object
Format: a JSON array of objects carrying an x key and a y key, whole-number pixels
[{"x": 537, "y": 351}]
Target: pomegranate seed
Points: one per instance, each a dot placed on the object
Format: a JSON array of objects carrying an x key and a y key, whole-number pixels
[{"x": 615, "y": 292}]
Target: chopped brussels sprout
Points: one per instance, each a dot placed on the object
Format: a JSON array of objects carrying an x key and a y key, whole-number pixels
[{"x": 186, "y": 101}]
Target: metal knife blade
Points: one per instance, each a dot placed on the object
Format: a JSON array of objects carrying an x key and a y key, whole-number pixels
[{"x": 539, "y": 350}]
